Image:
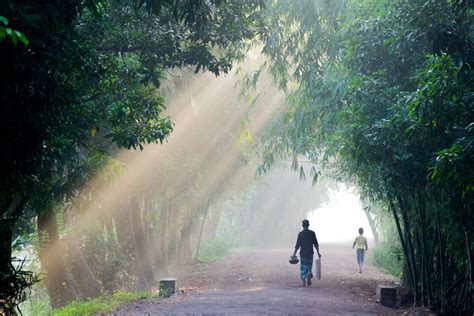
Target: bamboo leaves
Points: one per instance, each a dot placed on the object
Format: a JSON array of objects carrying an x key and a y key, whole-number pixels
[
  {"x": 393, "y": 107},
  {"x": 12, "y": 34}
]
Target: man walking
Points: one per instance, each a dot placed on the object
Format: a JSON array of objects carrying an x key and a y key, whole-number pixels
[{"x": 306, "y": 240}]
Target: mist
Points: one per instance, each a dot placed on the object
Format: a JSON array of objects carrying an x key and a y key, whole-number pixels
[{"x": 339, "y": 218}]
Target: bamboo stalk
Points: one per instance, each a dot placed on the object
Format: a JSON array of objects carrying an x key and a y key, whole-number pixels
[
  {"x": 404, "y": 246},
  {"x": 441, "y": 262},
  {"x": 406, "y": 224},
  {"x": 422, "y": 209}
]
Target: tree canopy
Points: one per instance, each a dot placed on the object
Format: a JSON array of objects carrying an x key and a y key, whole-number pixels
[
  {"x": 80, "y": 76},
  {"x": 381, "y": 92}
]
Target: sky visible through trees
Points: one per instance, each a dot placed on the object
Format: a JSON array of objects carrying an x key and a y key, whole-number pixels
[{"x": 340, "y": 217}]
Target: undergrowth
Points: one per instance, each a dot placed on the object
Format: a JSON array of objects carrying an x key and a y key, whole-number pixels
[
  {"x": 103, "y": 304},
  {"x": 389, "y": 256},
  {"x": 215, "y": 249}
]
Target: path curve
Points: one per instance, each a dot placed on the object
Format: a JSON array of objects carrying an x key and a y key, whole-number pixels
[{"x": 256, "y": 282}]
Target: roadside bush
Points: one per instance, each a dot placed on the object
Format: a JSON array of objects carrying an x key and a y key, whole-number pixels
[
  {"x": 38, "y": 304},
  {"x": 104, "y": 304},
  {"x": 389, "y": 256},
  {"x": 110, "y": 262}
]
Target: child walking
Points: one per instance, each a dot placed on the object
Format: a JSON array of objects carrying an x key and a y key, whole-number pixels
[{"x": 360, "y": 243}]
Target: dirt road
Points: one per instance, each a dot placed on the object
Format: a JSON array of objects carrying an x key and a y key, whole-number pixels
[{"x": 256, "y": 282}]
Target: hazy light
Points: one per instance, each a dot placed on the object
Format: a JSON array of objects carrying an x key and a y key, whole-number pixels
[
  {"x": 340, "y": 218},
  {"x": 199, "y": 157}
]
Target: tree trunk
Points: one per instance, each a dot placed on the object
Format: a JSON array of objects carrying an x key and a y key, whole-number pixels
[
  {"x": 184, "y": 248},
  {"x": 411, "y": 249},
  {"x": 143, "y": 267},
  {"x": 214, "y": 218},
  {"x": 6, "y": 271},
  {"x": 151, "y": 236},
  {"x": 9, "y": 213},
  {"x": 123, "y": 229},
  {"x": 424, "y": 243},
  {"x": 441, "y": 260},
  {"x": 404, "y": 244},
  {"x": 163, "y": 232},
  {"x": 51, "y": 256},
  {"x": 469, "y": 256},
  {"x": 172, "y": 236},
  {"x": 85, "y": 280},
  {"x": 202, "y": 228},
  {"x": 373, "y": 227}
]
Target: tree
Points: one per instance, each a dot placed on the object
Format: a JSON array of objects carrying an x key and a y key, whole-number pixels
[
  {"x": 381, "y": 91},
  {"x": 88, "y": 79}
]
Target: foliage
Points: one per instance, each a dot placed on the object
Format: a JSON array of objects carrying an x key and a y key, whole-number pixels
[
  {"x": 389, "y": 256},
  {"x": 23, "y": 280},
  {"x": 88, "y": 307},
  {"x": 110, "y": 262},
  {"x": 12, "y": 35},
  {"x": 104, "y": 304},
  {"x": 381, "y": 92},
  {"x": 38, "y": 304},
  {"x": 85, "y": 78}
]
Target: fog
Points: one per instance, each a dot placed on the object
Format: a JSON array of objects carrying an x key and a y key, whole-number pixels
[{"x": 339, "y": 219}]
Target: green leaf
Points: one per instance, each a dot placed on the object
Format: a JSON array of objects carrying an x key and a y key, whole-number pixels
[
  {"x": 22, "y": 38},
  {"x": 14, "y": 38},
  {"x": 4, "y": 20}
]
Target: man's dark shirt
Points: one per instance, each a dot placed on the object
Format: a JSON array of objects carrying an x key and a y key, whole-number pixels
[{"x": 306, "y": 240}]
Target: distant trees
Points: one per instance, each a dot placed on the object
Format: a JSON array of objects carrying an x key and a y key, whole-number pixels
[
  {"x": 79, "y": 76},
  {"x": 382, "y": 92},
  {"x": 269, "y": 214}
]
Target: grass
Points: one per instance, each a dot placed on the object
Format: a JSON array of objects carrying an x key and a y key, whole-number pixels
[
  {"x": 103, "y": 304},
  {"x": 37, "y": 305},
  {"x": 389, "y": 257}
]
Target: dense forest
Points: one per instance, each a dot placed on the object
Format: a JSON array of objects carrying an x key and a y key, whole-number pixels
[{"x": 374, "y": 93}]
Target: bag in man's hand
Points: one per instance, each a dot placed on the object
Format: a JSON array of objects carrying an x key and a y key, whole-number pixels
[{"x": 318, "y": 268}]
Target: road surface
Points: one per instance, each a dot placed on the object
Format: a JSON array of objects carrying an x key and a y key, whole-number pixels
[{"x": 262, "y": 282}]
